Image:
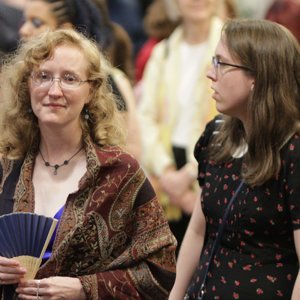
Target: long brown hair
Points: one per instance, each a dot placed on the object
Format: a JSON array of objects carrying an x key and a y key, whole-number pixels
[{"x": 274, "y": 105}]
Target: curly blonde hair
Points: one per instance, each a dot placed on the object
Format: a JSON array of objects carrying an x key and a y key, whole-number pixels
[{"x": 19, "y": 126}]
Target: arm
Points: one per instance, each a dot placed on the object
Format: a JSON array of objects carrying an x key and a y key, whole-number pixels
[
  {"x": 146, "y": 268},
  {"x": 123, "y": 248},
  {"x": 65, "y": 287},
  {"x": 296, "y": 290},
  {"x": 178, "y": 184},
  {"x": 189, "y": 253}
]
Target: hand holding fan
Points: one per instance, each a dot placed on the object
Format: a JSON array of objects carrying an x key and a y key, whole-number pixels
[{"x": 25, "y": 237}]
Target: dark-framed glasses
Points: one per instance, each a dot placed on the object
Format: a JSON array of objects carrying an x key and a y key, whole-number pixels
[
  {"x": 217, "y": 63},
  {"x": 45, "y": 79}
]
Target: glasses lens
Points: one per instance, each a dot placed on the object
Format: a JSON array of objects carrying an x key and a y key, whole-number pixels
[
  {"x": 41, "y": 78},
  {"x": 70, "y": 81},
  {"x": 215, "y": 63}
]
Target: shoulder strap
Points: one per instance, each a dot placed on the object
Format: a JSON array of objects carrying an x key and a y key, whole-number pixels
[{"x": 217, "y": 241}]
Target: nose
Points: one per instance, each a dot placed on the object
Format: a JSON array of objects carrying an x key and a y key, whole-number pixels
[
  {"x": 25, "y": 30},
  {"x": 211, "y": 74},
  {"x": 55, "y": 89}
]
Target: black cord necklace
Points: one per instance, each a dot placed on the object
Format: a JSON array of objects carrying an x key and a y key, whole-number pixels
[{"x": 56, "y": 166}]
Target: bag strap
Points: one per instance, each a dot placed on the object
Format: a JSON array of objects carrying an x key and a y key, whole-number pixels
[{"x": 217, "y": 241}]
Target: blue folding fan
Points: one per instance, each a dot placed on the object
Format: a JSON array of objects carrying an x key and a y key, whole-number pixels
[{"x": 25, "y": 237}]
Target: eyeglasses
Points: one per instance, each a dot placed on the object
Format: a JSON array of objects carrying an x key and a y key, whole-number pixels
[
  {"x": 216, "y": 64},
  {"x": 45, "y": 79}
]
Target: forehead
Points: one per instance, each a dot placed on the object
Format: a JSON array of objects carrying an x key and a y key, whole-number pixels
[
  {"x": 66, "y": 57},
  {"x": 222, "y": 50}
]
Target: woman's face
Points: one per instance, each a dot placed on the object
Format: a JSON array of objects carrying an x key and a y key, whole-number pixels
[
  {"x": 38, "y": 18},
  {"x": 232, "y": 85},
  {"x": 197, "y": 10},
  {"x": 59, "y": 88}
]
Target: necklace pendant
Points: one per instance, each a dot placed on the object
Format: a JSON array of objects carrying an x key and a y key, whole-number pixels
[{"x": 55, "y": 169}]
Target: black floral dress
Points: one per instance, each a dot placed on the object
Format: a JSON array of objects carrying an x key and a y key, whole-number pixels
[{"x": 257, "y": 257}]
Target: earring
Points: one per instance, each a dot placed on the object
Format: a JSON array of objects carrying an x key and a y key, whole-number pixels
[
  {"x": 29, "y": 110},
  {"x": 86, "y": 114}
]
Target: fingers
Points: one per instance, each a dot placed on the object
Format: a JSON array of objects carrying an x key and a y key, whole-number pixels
[
  {"x": 8, "y": 262},
  {"x": 10, "y": 271},
  {"x": 30, "y": 289}
]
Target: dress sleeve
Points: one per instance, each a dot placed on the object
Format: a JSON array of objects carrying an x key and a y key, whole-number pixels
[
  {"x": 291, "y": 165},
  {"x": 201, "y": 147}
]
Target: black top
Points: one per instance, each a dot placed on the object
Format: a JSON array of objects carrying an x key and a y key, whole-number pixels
[{"x": 257, "y": 257}]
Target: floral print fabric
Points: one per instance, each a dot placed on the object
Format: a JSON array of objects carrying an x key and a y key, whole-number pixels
[{"x": 256, "y": 258}]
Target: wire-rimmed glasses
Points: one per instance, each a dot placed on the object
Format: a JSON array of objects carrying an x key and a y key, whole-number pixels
[
  {"x": 45, "y": 79},
  {"x": 217, "y": 63}
]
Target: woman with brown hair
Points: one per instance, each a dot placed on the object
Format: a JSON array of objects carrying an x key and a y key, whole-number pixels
[{"x": 246, "y": 227}]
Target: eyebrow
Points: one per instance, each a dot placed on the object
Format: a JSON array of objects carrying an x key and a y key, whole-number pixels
[{"x": 221, "y": 58}]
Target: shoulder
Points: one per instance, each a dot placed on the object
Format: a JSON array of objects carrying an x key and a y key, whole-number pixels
[
  {"x": 121, "y": 81},
  {"x": 211, "y": 129},
  {"x": 291, "y": 149},
  {"x": 116, "y": 157},
  {"x": 168, "y": 43},
  {"x": 9, "y": 168},
  {"x": 201, "y": 151}
]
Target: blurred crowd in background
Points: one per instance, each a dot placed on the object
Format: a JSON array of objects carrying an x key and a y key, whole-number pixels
[
  {"x": 159, "y": 51},
  {"x": 131, "y": 14}
]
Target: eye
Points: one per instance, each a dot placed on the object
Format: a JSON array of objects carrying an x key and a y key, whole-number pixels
[
  {"x": 70, "y": 78},
  {"x": 36, "y": 22},
  {"x": 43, "y": 76}
]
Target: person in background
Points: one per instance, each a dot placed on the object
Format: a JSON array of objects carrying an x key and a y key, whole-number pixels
[
  {"x": 253, "y": 145},
  {"x": 120, "y": 54},
  {"x": 227, "y": 9},
  {"x": 255, "y": 9},
  {"x": 119, "y": 50},
  {"x": 144, "y": 6},
  {"x": 174, "y": 107},
  {"x": 159, "y": 22},
  {"x": 89, "y": 17},
  {"x": 61, "y": 156},
  {"x": 129, "y": 14},
  {"x": 286, "y": 13},
  {"x": 10, "y": 20}
]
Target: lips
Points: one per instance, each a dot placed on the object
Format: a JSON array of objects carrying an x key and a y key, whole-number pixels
[{"x": 54, "y": 105}]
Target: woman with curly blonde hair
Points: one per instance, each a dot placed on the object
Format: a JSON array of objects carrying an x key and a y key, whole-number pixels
[{"x": 61, "y": 146}]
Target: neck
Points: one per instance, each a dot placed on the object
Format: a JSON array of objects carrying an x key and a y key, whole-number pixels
[
  {"x": 196, "y": 33},
  {"x": 55, "y": 145}
]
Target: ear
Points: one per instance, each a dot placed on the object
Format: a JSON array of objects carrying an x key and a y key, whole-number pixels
[{"x": 252, "y": 86}]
